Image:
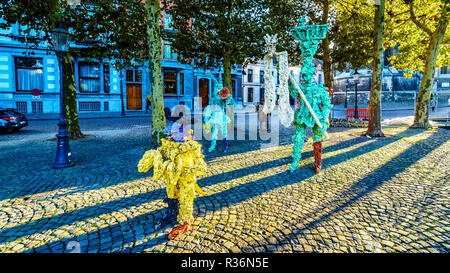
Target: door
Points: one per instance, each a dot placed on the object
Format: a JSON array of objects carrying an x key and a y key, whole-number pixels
[
  {"x": 134, "y": 97},
  {"x": 203, "y": 92}
]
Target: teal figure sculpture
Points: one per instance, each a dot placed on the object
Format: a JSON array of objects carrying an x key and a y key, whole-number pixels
[
  {"x": 215, "y": 112},
  {"x": 315, "y": 94}
]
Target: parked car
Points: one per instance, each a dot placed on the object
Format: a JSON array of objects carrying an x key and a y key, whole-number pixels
[{"x": 11, "y": 120}]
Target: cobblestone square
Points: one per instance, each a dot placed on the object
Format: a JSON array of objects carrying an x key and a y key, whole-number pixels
[{"x": 373, "y": 195}]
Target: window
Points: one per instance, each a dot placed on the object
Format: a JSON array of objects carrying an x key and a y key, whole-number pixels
[
  {"x": 168, "y": 21},
  {"x": 170, "y": 83},
  {"x": 106, "y": 106},
  {"x": 181, "y": 83},
  {"x": 29, "y": 74},
  {"x": 168, "y": 52},
  {"x": 106, "y": 79},
  {"x": 89, "y": 77},
  {"x": 21, "y": 106},
  {"x": 129, "y": 75},
  {"x": 261, "y": 76},
  {"x": 249, "y": 75},
  {"x": 138, "y": 75},
  {"x": 261, "y": 93},
  {"x": 445, "y": 70},
  {"x": 133, "y": 75},
  {"x": 250, "y": 94},
  {"x": 36, "y": 107},
  {"x": 89, "y": 106}
]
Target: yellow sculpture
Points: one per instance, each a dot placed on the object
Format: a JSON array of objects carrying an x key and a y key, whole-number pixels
[{"x": 178, "y": 162}]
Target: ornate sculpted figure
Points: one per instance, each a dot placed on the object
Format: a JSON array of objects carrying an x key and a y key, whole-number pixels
[
  {"x": 316, "y": 95},
  {"x": 215, "y": 112},
  {"x": 314, "y": 106},
  {"x": 178, "y": 161}
]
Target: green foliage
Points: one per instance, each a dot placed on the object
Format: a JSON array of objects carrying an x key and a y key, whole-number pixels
[
  {"x": 410, "y": 24},
  {"x": 209, "y": 31},
  {"x": 352, "y": 34}
]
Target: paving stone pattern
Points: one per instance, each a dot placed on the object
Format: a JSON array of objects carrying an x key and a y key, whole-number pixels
[{"x": 374, "y": 195}]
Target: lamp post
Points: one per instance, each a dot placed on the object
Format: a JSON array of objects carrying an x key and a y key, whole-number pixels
[
  {"x": 121, "y": 92},
  {"x": 60, "y": 39},
  {"x": 243, "y": 84},
  {"x": 356, "y": 81},
  {"x": 346, "y": 88}
]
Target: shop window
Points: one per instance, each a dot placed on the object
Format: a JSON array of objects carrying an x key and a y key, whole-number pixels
[
  {"x": 170, "y": 83},
  {"x": 29, "y": 74},
  {"x": 89, "y": 77}
]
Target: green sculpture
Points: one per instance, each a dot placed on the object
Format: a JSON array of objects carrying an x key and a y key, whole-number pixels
[{"x": 316, "y": 95}]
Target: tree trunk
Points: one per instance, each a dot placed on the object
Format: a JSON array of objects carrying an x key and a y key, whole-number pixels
[
  {"x": 374, "y": 127},
  {"x": 228, "y": 83},
  {"x": 227, "y": 72},
  {"x": 153, "y": 12},
  {"x": 70, "y": 96},
  {"x": 326, "y": 48},
  {"x": 421, "y": 113}
]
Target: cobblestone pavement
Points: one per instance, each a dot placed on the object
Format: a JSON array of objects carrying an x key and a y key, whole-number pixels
[{"x": 373, "y": 195}]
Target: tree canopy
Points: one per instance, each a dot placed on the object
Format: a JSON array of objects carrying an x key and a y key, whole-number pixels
[
  {"x": 410, "y": 26},
  {"x": 114, "y": 30}
]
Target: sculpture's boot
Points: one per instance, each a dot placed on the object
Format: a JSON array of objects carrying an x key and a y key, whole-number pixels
[
  {"x": 180, "y": 229},
  {"x": 294, "y": 165},
  {"x": 171, "y": 212},
  {"x": 225, "y": 144},
  {"x": 317, "y": 156}
]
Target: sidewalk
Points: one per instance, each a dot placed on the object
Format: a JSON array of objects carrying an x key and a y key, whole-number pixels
[{"x": 128, "y": 114}]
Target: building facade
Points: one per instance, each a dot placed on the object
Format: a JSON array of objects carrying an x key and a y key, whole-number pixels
[
  {"x": 395, "y": 87},
  {"x": 24, "y": 70}
]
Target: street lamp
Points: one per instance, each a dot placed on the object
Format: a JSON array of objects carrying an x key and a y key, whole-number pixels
[
  {"x": 346, "y": 88},
  {"x": 356, "y": 81},
  {"x": 121, "y": 92},
  {"x": 60, "y": 39}
]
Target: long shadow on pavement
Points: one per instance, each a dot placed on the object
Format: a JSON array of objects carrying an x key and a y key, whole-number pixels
[
  {"x": 369, "y": 183},
  {"x": 138, "y": 199},
  {"x": 255, "y": 188}
]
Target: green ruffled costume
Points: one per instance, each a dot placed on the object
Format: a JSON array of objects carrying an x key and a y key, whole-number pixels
[{"x": 316, "y": 95}]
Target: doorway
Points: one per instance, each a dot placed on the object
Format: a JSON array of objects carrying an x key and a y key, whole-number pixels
[
  {"x": 134, "y": 89},
  {"x": 203, "y": 92},
  {"x": 134, "y": 96}
]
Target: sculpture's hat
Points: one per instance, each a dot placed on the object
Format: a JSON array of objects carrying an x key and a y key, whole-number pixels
[{"x": 309, "y": 32}]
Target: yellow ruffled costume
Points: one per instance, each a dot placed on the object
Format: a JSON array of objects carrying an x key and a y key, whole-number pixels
[{"x": 179, "y": 164}]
